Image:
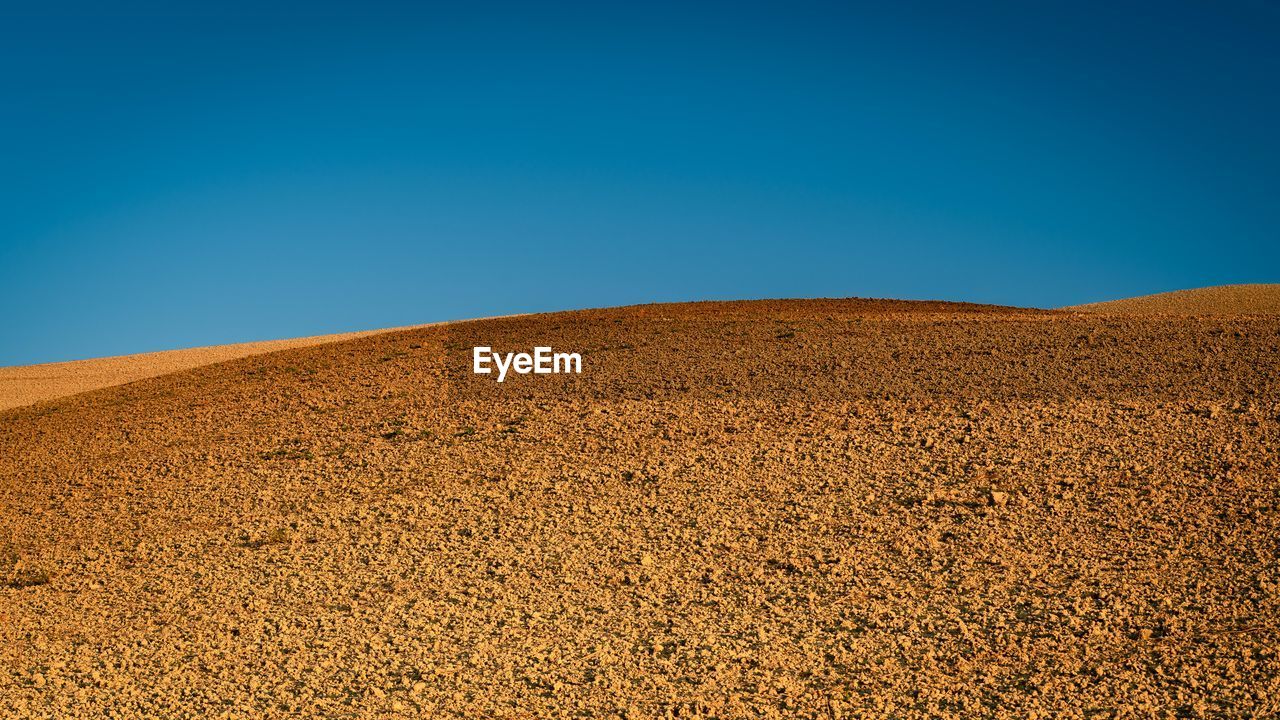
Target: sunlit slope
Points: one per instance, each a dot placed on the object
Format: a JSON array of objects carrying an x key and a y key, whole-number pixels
[
  {"x": 1220, "y": 300},
  {"x": 30, "y": 384},
  {"x": 778, "y": 509}
]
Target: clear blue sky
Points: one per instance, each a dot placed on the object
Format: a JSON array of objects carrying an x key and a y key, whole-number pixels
[{"x": 174, "y": 177}]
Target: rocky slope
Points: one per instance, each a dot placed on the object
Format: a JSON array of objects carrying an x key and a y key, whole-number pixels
[{"x": 821, "y": 509}]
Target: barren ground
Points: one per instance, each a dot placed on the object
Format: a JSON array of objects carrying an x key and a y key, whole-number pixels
[
  {"x": 1219, "y": 300},
  {"x": 820, "y": 509},
  {"x": 31, "y": 384}
]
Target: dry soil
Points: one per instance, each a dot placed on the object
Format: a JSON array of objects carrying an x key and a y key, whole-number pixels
[
  {"x": 31, "y": 384},
  {"x": 1258, "y": 299},
  {"x": 816, "y": 509}
]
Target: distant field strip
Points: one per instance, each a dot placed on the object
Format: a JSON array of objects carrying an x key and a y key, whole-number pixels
[{"x": 30, "y": 384}]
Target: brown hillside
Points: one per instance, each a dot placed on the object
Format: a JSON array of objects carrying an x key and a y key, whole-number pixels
[
  {"x": 1220, "y": 300},
  {"x": 30, "y": 384},
  {"x": 817, "y": 509}
]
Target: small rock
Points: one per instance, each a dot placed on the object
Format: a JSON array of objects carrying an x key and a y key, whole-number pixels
[
  {"x": 647, "y": 560},
  {"x": 999, "y": 498}
]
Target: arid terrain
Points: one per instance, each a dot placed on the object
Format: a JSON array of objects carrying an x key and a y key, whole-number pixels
[
  {"x": 816, "y": 509},
  {"x": 31, "y": 384},
  {"x": 1256, "y": 299}
]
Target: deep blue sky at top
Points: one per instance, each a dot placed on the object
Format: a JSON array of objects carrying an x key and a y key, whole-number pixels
[{"x": 174, "y": 176}]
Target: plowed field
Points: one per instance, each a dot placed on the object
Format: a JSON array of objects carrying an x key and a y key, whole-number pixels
[{"x": 818, "y": 509}]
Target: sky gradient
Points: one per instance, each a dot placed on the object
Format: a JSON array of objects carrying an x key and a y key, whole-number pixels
[{"x": 176, "y": 177}]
